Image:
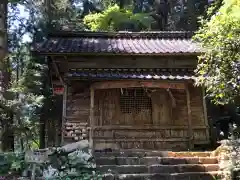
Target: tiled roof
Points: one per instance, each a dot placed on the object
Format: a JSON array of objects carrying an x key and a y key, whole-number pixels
[
  {"x": 154, "y": 74},
  {"x": 143, "y": 43}
]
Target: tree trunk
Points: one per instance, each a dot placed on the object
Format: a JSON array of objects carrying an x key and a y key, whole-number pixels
[
  {"x": 7, "y": 131},
  {"x": 192, "y": 19},
  {"x": 3, "y": 28}
]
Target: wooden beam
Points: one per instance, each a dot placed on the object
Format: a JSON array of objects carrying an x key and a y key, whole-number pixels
[
  {"x": 142, "y": 139},
  {"x": 134, "y": 83},
  {"x": 64, "y": 112},
  {"x": 91, "y": 119},
  {"x": 147, "y": 127},
  {"x": 189, "y": 112},
  {"x": 128, "y": 62}
]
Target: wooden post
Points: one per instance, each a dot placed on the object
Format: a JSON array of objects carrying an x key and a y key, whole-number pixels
[
  {"x": 190, "y": 131},
  {"x": 204, "y": 107},
  {"x": 206, "y": 122},
  {"x": 64, "y": 113},
  {"x": 91, "y": 119}
]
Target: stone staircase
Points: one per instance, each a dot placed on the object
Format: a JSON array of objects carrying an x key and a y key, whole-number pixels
[{"x": 157, "y": 165}]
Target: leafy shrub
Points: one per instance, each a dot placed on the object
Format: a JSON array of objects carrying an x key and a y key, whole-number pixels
[
  {"x": 12, "y": 163},
  {"x": 73, "y": 161},
  {"x": 115, "y": 19}
]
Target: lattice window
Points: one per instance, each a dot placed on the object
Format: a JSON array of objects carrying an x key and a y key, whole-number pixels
[{"x": 135, "y": 101}]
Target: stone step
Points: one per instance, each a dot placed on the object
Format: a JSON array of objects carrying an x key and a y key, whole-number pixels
[
  {"x": 155, "y": 160},
  {"x": 130, "y": 169},
  {"x": 176, "y": 176},
  {"x": 189, "y": 154},
  {"x": 129, "y": 153},
  {"x": 144, "y": 153}
]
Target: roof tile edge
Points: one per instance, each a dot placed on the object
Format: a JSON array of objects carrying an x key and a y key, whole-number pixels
[{"x": 123, "y": 34}]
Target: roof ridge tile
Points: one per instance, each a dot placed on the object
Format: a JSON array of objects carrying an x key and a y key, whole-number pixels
[{"x": 122, "y": 34}]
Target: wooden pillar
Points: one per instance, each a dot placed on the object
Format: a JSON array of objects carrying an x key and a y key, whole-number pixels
[
  {"x": 91, "y": 119},
  {"x": 64, "y": 112},
  {"x": 189, "y": 112},
  {"x": 208, "y": 130},
  {"x": 204, "y": 107}
]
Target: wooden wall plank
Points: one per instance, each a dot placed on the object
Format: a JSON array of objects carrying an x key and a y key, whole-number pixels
[
  {"x": 197, "y": 105},
  {"x": 78, "y": 102},
  {"x": 179, "y": 112},
  {"x": 161, "y": 107},
  {"x": 113, "y": 124}
]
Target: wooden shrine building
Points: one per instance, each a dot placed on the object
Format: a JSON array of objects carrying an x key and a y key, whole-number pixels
[{"x": 128, "y": 90}]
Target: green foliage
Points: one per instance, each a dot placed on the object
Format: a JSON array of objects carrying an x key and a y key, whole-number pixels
[
  {"x": 219, "y": 67},
  {"x": 77, "y": 164},
  {"x": 114, "y": 19},
  {"x": 12, "y": 163},
  {"x": 62, "y": 15},
  {"x": 26, "y": 79}
]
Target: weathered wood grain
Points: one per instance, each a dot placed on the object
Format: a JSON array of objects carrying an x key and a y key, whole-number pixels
[{"x": 113, "y": 128}]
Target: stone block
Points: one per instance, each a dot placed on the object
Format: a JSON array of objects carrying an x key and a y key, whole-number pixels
[
  {"x": 150, "y": 160},
  {"x": 162, "y": 169},
  {"x": 173, "y": 161},
  {"x": 123, "y": 169}
]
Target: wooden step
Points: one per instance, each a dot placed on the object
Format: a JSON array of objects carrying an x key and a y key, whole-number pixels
[
  {"x": 133, "y": 169},
  {"x": 154, "y": 160},
  {"x": 176, "y": 176}
]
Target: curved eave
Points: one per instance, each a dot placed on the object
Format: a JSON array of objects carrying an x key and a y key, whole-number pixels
[{"x": 115, "y": 54}]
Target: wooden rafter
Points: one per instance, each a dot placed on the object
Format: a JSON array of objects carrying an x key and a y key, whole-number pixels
[
  {"x": 57, "y": 71},
  {"x": 174, "y": 104}
]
